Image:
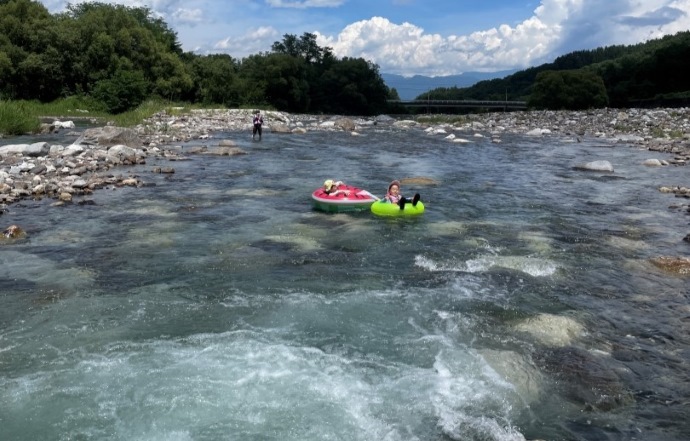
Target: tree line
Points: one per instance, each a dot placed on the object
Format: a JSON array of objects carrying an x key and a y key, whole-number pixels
[
  {"x": 646, "y": 74},
  {"x": 119, "y": 56}
]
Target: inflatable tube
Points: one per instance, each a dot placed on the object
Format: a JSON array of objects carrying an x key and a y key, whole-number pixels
[
  {"x": 357, "y": 200},
  {"x": 383, "y": 208}
]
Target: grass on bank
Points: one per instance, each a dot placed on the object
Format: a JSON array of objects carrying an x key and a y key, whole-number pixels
[
  {"x": 17, "y": 118},
  {"x": 22, "y": 117},
  {"x": 442, "y": 119}
]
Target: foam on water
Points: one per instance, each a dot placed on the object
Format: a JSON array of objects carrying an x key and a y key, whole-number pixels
[
  {"x": 250, "y": 384},
  {"x": 533, "y": 266}
]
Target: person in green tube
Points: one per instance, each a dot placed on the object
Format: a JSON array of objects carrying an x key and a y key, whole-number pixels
[{"x": 394, "y": 197}]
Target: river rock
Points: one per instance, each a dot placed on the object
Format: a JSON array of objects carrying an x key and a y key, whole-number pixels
[
  {"x": 516, "y": 370},
  {"x": 598, "y": 166},
  {"x": 652, "y": 162},
  {"x": 31, "y": 150},
  {"x": 673, "y": 265},
  {"x": 420, "y": 180},
  {"x": 13, "y": 232},
  {"x": 586, "y": 378},
  {"x": 111, "y": 135},
  {"x": 71, "y": 150},
  {"x": 64, "y": 124},
  {"x": 344, "y": 124},
  {"x": 551, "y": 330},
  {"x": 122, "y": 153},
  {"x": 225, "y": 151},
  {"x": 280, "y": 128}
]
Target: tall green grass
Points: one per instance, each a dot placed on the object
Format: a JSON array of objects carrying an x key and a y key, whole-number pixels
[
  {"x": 20, "y": 117},
  {"x": 17, "y": 118}
]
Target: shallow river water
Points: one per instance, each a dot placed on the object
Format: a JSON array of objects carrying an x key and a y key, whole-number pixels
[{"x": 215, "y": 304}]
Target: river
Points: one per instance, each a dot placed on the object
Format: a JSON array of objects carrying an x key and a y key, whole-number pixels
[{"x": 216, "y": 304}]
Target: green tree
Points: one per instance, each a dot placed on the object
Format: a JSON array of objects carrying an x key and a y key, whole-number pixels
[
  {"x": 276, "y": 79},
  {"x": 304, "y": 47},
  {"x": 351, "y": 86},
  {"x": 110, "y": 34},
  {"x": 570, "y": 90},
  {"x": 216, "y": 79},
  {"x": 6, "y": 71},
  {"x": 125, "y": 90}
]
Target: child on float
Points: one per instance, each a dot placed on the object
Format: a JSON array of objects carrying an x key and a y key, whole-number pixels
[
  {"x": 331, "y": 188},
  {"x": 394, "y": 197}
]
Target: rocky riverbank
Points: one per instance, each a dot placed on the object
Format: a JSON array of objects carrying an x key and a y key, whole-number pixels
[{"x": 98, "y": 158}]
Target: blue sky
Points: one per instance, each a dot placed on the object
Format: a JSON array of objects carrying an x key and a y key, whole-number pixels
[{"x": 420, "y": 37}]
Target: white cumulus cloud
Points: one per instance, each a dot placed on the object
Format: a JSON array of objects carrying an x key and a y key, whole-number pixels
[
  {"x": 252, "y": 42},
  {"x": 556, "y": 27}
]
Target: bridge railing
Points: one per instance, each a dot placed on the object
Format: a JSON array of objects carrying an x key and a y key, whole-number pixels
[{"x": 460, "y": 103}]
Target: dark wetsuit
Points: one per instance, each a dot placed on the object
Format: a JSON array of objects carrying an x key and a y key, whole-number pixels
[{"x": 258, "y": 120}]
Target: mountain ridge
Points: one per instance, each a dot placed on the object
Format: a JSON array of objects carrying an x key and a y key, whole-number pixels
[{"x": 411, "y": 87}]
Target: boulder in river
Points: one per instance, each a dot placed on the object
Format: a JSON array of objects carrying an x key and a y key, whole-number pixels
[{"x": 598, "y": 166}]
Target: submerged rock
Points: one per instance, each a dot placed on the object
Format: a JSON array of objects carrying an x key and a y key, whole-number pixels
[
  {"x": 598, "y": 166},
  {"x": 586, "y": 378},
  {"x": 551, "y": 330},
  {"x": 516, "y": 370},
  {"x": 674, "y": 265},
  {"x": 13, "y": 232}
]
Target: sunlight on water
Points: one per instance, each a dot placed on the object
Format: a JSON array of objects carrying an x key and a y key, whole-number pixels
[{"x": 217, "y": 304}]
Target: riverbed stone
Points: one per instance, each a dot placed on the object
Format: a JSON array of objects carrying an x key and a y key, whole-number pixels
[
  {"x": 122, "y": 153},
  {"x": 674, "y": 265},
  {"x": 111, "y": 136},
  {"x": 280, "y": 128},
  {"x": 13, "y": 232},
  {"x": 27, "y": 150},
  {"x": 597, "y": 166},
  {"x": 653, "y": 162},
  {"x": 586, "y": 378},
  {"x": 518, "y": 371},
  {"x": 551, "y": 330}
]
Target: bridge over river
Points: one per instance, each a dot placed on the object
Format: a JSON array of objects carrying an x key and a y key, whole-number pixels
[{"x": 513, "y": 105}]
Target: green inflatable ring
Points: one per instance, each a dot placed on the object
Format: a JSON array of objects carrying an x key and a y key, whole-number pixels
[{"x": 383, "y": 208}]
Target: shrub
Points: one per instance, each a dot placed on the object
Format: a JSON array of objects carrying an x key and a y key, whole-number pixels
[{"x": 125, "y": 90}]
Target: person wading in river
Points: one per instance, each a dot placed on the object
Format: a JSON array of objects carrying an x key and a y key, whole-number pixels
[{"x": 257, "y": 121}]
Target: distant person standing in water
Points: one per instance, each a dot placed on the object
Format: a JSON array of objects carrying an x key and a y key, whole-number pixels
[{"x": 257, "y": 121}]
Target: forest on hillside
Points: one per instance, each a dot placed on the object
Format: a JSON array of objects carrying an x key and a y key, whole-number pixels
[
  {"x": 648, "y": 74},
  {"x": 119, "y": 56}
]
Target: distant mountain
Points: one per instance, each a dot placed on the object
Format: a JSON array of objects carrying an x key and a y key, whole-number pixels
[{"x": 411, "y": 87}]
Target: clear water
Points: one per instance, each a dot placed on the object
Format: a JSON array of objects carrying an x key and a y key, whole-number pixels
[{"x": 215, "y": 304}]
